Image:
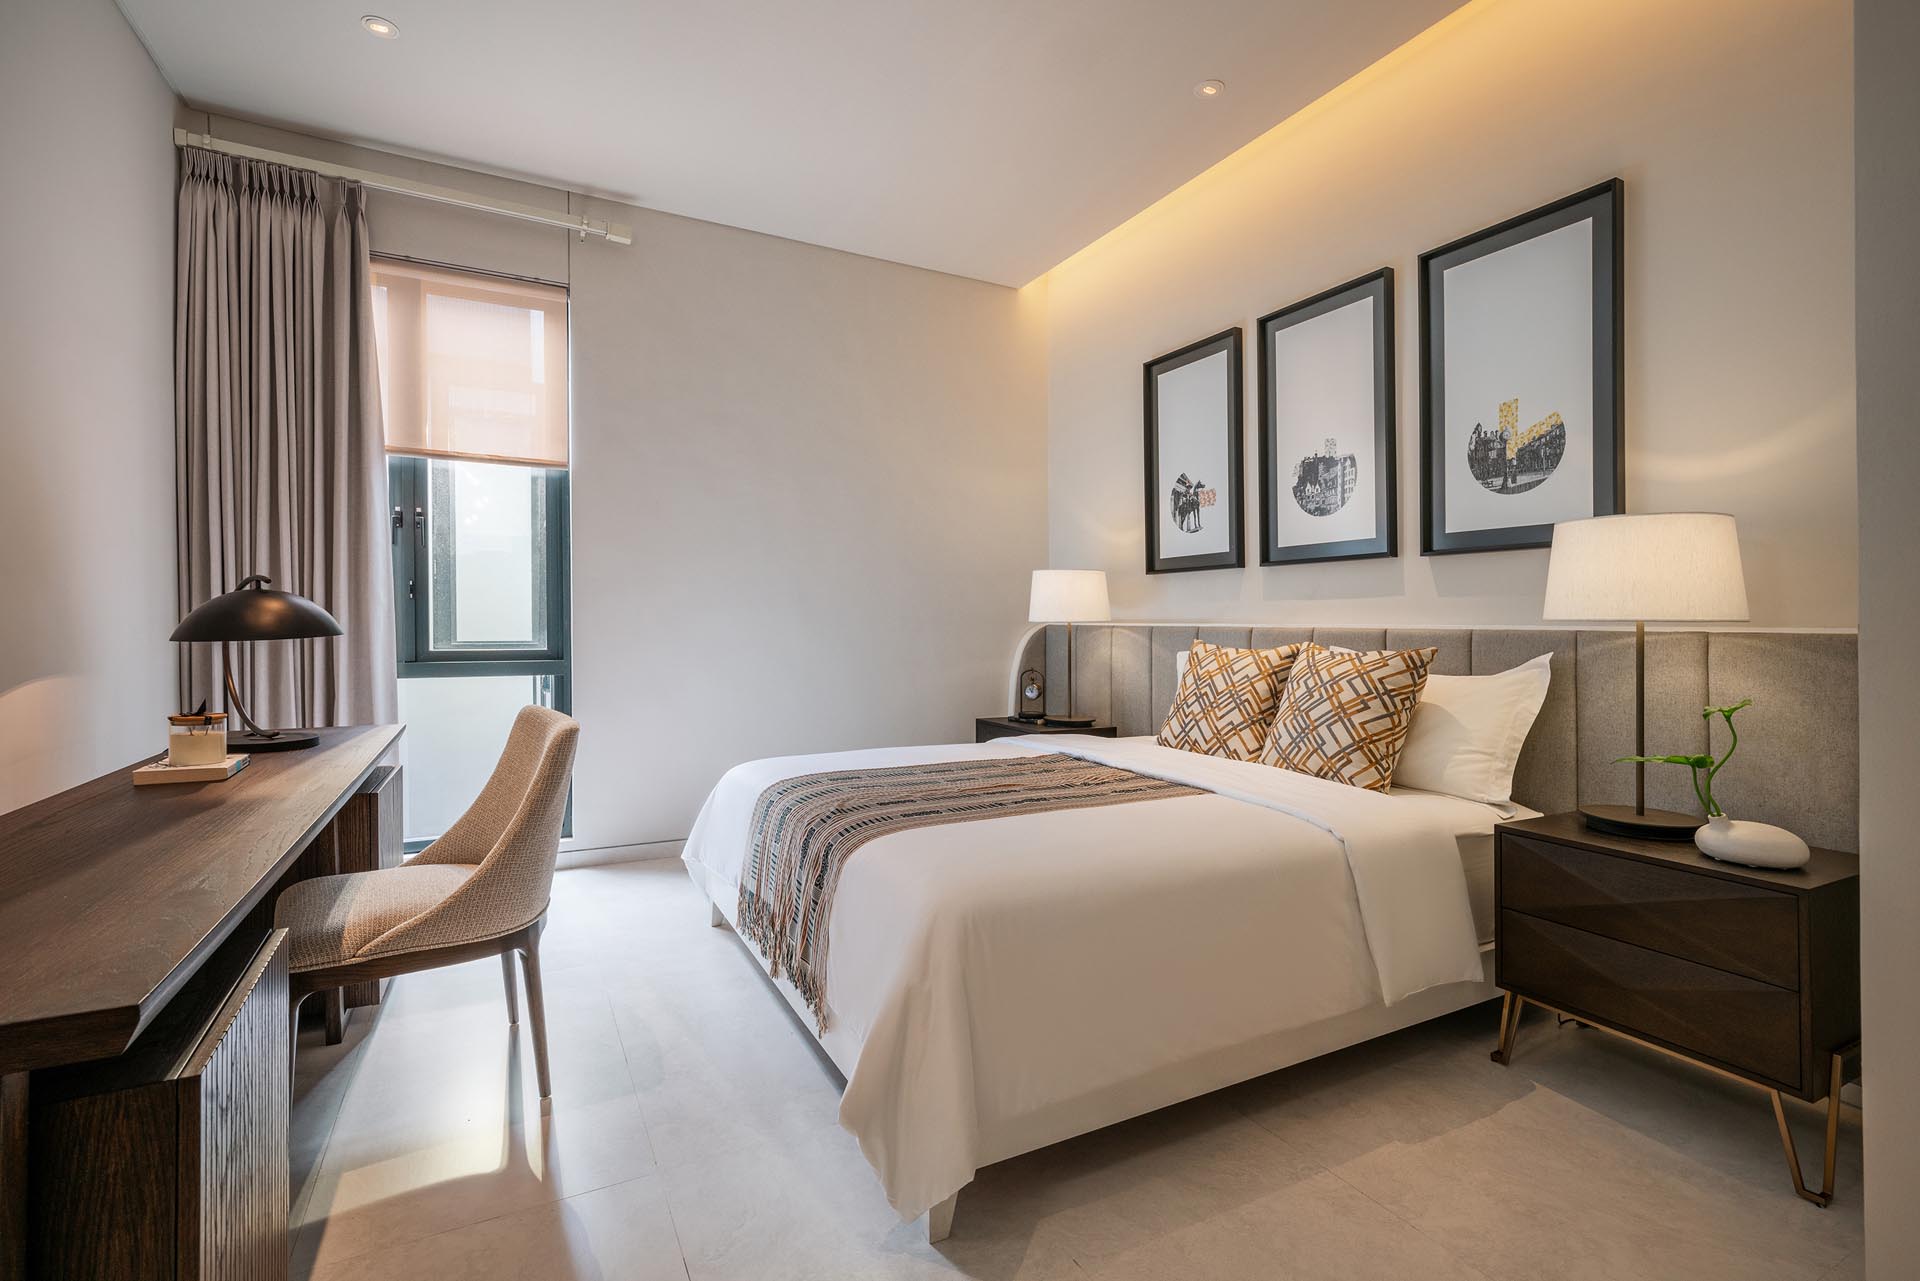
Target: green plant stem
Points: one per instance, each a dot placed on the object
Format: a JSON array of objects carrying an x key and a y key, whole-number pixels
[
  {"x": 1695, "y": 762},
  {"x": 1706, "y": 800},
  {"x": 1713, "y": 807}
]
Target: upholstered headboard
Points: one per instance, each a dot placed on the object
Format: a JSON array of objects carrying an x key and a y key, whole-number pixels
[{"x": 1799, "y": 759}]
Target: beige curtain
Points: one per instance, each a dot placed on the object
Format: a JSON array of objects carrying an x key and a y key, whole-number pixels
[{"x": 280, "y": 465}]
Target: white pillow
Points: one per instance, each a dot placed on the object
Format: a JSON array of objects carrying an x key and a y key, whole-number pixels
[{"x": 1468, "y": 731}]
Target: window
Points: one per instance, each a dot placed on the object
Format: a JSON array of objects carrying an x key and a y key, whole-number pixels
[
  {"x": 479, "y": 565},
  {"x": 473, "y": 382}
]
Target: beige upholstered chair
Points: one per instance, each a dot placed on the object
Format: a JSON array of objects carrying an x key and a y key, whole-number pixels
[{"x": 480, "y": 890}]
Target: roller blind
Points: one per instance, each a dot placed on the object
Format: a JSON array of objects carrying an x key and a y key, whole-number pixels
[{"x": 471, "y": 366}]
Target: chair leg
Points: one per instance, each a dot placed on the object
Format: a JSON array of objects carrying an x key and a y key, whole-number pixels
[
  {"x": 334, "y": 1003},
  {"x": 513, "y": 1001},
  {"x": 536, "y": 1008}
]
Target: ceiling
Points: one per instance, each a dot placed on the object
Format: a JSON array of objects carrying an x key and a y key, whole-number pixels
[{"x": 988, "y": 138}]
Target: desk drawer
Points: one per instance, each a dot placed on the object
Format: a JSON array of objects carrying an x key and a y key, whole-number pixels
[
  {"x": 170, "y": 1160},
  {"x": 1737, "y": 928},
  {"x": 1706, "y": 1012}
]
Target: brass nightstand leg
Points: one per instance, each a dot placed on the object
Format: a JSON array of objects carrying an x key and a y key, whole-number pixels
[
  {"x": 1510, "y": 1009},
  {"x": 1824, "y": 1196}
]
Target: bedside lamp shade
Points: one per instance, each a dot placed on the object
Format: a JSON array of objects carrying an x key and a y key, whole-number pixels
[
  {"x": 1068, "y": 596},
  {"x": 1669, "y": 567}
]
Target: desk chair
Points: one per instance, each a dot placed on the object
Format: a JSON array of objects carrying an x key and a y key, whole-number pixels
[{"x": 480, "y": 890}]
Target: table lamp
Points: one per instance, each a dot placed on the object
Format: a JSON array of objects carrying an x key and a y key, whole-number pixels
[
  {"x": 1069, "y": 596},
  {"x": 255, "y": 612},
  {"x": 1668, "y": 567}
]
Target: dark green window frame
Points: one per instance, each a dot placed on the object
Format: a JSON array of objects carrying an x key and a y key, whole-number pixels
[
  {"x": 409, "y": 482},
  {"x": 409, "y": 479}
]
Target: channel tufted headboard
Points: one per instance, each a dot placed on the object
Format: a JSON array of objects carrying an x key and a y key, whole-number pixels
[{"x": 1798, "y": 763}]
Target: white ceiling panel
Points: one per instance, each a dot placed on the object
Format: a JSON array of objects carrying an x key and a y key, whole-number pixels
[{"x": 988, "y": 138}]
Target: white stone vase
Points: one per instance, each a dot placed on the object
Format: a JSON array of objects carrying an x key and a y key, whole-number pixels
[{"x": 1733, "y": 840}]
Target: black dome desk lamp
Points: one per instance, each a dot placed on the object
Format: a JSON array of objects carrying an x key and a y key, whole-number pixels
[{"x": 255, "y": 612}]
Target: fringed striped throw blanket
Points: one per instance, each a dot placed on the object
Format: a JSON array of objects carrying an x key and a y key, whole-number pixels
[{"x": 805, "y": 829}]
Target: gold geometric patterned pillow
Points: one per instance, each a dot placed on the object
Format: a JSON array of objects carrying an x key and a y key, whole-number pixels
[
  {"x": 1345, "y": 716},
  {"x": 1226, "y": 699}
]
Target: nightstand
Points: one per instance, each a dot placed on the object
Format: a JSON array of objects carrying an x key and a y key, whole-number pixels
[
  {"x": 1754, "y": 974},
  {"x": 987, "y": 728}
]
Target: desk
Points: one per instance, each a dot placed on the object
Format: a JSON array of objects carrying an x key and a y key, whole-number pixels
[{"x": 113, "y": 897}]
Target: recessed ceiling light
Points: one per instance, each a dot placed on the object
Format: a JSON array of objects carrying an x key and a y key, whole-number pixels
[
  {"x": 1209, "y": 89},
  {"x": 380, "y": 26}
]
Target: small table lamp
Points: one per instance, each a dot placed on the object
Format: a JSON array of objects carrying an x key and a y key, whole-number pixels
[
  {"x": 1670, "y": 567},
  {"x": 255, "y": 612},
  {"x": 1069, "y": 596}
]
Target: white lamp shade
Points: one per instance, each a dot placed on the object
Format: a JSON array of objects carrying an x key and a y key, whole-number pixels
[
  {"x": 1666, "y": 567},
  {"x": 1069, "y": 596}
]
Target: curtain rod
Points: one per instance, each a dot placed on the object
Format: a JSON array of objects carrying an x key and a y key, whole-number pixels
[{"x": 615, "y": 233}]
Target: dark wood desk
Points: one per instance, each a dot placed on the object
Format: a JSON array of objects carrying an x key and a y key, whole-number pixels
[{"x": 112, "y": 898}]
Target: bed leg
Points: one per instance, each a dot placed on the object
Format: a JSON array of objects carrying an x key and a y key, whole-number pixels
[
  {"x": 715, "y": 917},
  {"x": 940, "y": 1220}
]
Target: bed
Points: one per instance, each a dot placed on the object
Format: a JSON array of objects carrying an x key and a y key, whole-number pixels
[{"x": 994, "y": 986}]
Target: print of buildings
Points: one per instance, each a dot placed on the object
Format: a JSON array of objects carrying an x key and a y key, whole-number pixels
[{"x": 1508, "y": 460}]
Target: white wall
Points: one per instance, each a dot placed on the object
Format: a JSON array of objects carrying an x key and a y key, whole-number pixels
[
  {"x": 1887, "y": 111},
  {"x": 86, "y": 414},
  {"x": 803, "y": 481},
  {"x": 1729, "y": 121},
  {"x": 808, "y": 492}
]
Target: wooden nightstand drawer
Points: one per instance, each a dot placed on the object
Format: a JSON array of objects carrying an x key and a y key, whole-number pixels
[
  {"x": 1656, "y": 941},
  {"x": 1703, "y": 1011},
  {"x": 1730, "y": 926},
  {"x": 988, "y": 728}
]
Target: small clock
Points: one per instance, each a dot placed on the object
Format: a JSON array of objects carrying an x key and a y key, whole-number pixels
[{"x": 1033, "y": 696}]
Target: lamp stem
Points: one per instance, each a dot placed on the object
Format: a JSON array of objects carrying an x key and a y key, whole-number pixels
[
  {"x": 1069, "y": 671},
  {"x": 1640, "y": 717},
  {"x": 233, "y": 696}
]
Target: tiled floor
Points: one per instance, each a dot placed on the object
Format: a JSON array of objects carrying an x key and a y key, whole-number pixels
[{"x": 693, "y": 1136}]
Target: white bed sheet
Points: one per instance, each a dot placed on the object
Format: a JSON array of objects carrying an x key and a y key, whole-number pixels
[
  {"x": 1476, "y": 859},
  {"x": 983, "y": 972}
]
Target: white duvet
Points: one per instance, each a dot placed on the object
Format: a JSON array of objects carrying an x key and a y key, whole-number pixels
[{"x": 985, "y": 979}]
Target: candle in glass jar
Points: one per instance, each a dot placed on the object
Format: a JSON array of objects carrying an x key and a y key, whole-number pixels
[{"x": 197, "y": 739}]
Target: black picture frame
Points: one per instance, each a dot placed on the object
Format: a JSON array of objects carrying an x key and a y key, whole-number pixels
[
  {"x": 1604, "y": 204},
  {"x": 1159, "y": 491},
  {"x": 1385, "y": 540}
]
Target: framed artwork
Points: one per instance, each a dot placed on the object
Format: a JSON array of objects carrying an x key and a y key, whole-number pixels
[
  {"x": 1194, "y": 457},
  {"x": 1327, "y": 482},
  {"x": 1521, "y": 335}
]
